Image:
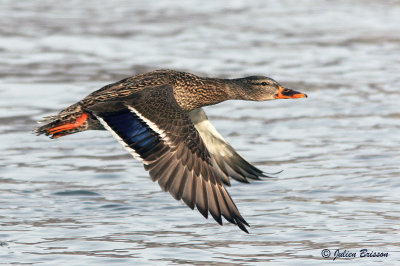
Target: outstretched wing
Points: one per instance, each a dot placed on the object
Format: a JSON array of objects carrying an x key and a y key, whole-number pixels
[
  {"x": 154, "y": 129},
  {"x": 227, "y": 162}
]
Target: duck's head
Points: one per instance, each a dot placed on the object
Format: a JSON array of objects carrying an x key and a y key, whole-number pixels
[{"x": 259, "y": 88}]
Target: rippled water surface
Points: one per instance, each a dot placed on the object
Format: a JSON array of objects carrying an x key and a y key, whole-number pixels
[{"x": 82, "y": 200}]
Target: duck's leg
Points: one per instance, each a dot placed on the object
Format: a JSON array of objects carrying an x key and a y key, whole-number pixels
[{"x": 71, "y": 120}]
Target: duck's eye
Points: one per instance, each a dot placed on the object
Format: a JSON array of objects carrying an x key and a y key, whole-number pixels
[{"x": 264, "y": 83}]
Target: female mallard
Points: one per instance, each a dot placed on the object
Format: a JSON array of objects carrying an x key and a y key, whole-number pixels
[{"x": 157, "y": 117}]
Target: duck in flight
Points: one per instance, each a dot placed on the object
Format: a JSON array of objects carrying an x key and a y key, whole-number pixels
[{"x": 157, "y": 117}]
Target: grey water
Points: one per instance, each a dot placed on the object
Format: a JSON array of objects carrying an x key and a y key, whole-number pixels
[{"x": 82, "y": 200}]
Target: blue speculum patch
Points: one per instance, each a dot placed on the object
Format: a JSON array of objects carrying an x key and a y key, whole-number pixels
[{"x": 132, "y": 131}]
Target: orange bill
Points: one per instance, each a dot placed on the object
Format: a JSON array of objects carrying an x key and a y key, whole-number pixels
[{"x": 284, "y": 93}]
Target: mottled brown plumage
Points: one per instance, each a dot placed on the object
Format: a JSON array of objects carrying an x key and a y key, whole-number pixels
[
  {"x": 157, "y": 117},
  {"x": 190, "y": 91}
]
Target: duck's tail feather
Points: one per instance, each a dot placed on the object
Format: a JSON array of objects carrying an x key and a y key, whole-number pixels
[{"x": 58, "y": 126}]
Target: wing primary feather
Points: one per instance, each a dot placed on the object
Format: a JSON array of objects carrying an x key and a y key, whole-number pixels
[
  {"x": 166, "y": 180},
  {"x": 234, "y": 174},
  {"x": 221, "y": 164},
  {"x": 237, "y": 167},
  {"x": 178, "y": 184},
  {"x": 179, "y": 171},
  {"x": 211, "y": 176},
  {"x": 222, "y": 174},
  {"x": 224, "y": 206},
  {"x": 241, "y": 226},
  {"x": 234, "y": 215},
  {"x": 232, "y": 207},
  {"x": 160, "y": 168},
  {"x": 189, "y": 193},
  {"x": 201, "y": 198},
  {"x": 213, "y": 203}
]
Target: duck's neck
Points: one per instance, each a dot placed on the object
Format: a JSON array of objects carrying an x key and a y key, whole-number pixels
[
  {"x": 236, "y": 88},
  {"x": 201, "y": 92}
]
